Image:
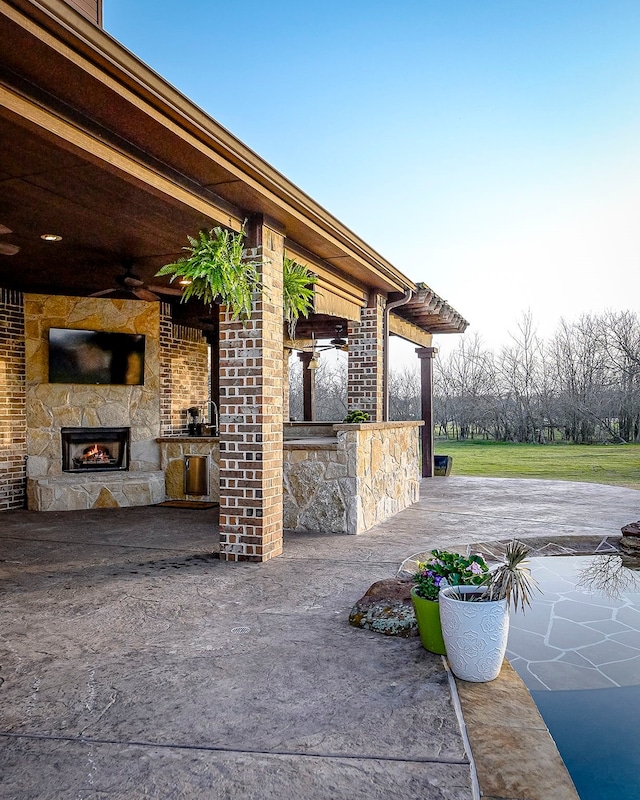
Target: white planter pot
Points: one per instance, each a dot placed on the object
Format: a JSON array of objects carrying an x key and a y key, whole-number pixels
[{"x": 475, "y": 634}]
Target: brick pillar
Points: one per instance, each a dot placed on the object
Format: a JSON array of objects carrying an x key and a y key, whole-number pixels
[
  {"x": 13, "y": 414},
  {"x": 365, "y": 387},
  {"x": 308, "y": 388},
  {"x": 251, "y": 405},
  {"x": 426, "y": 356}
]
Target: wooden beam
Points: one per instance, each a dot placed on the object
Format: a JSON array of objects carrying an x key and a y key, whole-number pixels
[
  {"x": 81, "y": 143},
  {"x": 407, "y": 330}
]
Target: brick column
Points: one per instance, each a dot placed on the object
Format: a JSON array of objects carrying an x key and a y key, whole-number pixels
[
  {"x": 426, "y": 356},
  {"x": 365, "y": 386},
  {"x": 251, "y": 406},
  {"x": 13, "y": 417}
]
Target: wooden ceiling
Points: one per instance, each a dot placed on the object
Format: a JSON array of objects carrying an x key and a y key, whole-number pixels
[{"x": 103, "y": 220}]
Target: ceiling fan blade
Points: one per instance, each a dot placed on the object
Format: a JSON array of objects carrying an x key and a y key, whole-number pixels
[
  {"x": 103, "y": 292},
  {"x": 7, "y": 249},
  {"x": 145, "y": 294},
  {"x": 132, "y": 281},
  {"x": 165, "y": 290}
]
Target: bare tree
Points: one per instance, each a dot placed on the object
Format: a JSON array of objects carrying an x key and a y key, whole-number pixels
[
  {"x": 405, "y": 401},
  {"x": 463, "y": 384},
  {"x": 619, "y": 334},
  {"x": 520, "y": 372}
]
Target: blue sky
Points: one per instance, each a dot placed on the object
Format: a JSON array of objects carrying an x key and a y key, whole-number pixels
[{"x": 488, "y": 147}]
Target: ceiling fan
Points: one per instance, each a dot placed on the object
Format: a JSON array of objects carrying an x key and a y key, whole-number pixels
[
  {"x": 337, "y": 343},
  {"x": 130, "y": 282},
  {"x": 7, "y": 249}
]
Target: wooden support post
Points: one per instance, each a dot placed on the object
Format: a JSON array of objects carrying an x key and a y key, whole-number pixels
[
  {"x": 308, "y": 388},
  {"x": 426, "y": 356}
]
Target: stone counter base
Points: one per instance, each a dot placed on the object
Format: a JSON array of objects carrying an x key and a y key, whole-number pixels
[
  {"x": 78, "y": 491},
  {"x": 349, "y": 483}
]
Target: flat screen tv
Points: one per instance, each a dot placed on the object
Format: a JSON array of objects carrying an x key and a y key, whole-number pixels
[{"x": 97, "y": 357}]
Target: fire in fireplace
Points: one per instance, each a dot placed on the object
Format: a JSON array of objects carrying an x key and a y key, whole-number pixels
[{"x": 95, "y": 449}]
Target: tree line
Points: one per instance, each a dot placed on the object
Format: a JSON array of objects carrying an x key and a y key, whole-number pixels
[{"x": 581, "y": 385}]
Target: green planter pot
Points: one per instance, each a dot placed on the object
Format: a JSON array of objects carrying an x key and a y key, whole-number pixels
[{"x": 428, "y": 616}]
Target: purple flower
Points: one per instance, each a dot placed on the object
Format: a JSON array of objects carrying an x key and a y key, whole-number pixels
[{"x": 475, "y": 568}]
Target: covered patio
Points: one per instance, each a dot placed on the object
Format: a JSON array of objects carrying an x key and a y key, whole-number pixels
[{"x": 105, "y": 170}]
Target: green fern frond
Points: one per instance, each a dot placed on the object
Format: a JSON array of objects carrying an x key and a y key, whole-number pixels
[
  {"x": 297, "y": 293},
  {"x": 217, "y": 270}
]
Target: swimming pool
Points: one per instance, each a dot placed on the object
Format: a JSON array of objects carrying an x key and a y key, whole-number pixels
[{"x": 578, "y": 652}]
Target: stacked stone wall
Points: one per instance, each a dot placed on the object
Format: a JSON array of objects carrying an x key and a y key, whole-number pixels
[
  {"x": 13, "y": 420},
  {"x": 367, "y": 475},
  {"x": 51, "y": 406}
]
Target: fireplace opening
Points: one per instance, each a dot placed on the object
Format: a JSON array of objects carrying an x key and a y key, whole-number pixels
[{"x": 95, "y": 449}]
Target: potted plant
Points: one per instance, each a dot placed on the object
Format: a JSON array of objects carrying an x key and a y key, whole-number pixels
[
  {"x": 356, "y": 416},
  {"x": 442, "y": 569},
  {"x": 475, "y": 619}
]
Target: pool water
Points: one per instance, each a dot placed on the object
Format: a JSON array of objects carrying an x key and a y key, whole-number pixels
[{"x": 578, "y": 651}]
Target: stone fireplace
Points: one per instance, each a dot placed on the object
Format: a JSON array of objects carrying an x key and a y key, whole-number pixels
[
  {"x": 95, "y": 449},
  {"x": 91, "y": 446}
]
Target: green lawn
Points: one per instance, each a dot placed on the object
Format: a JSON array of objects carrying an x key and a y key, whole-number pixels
[{"x": 617, "y": 464}]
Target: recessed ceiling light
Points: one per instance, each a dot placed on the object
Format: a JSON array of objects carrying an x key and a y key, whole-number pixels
[
  {"x": 184, "y": 281},
  {"x": 51, "y": 237}
]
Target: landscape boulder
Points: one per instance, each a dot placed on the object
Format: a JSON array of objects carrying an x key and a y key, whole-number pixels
[
  {"x": 630, "y": 541},
  {"x": 386, "y": 608}
]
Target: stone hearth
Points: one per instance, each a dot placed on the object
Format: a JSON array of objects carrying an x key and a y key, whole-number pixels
[{"x": 76, "y": 491}]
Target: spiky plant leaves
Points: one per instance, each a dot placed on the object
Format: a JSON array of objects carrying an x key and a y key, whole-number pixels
[
  {"x": 217, "y": 270},
  {"x": 512, "y": 580},
  {"x": 297, "y": 293}
]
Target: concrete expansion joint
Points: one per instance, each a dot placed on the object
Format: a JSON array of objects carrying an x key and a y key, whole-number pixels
[{"x": 244, "y": 750}]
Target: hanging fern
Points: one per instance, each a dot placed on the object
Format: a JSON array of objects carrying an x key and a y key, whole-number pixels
[
  {"x": 217, "y": 270},
  {"x": 297, "y": 293}
]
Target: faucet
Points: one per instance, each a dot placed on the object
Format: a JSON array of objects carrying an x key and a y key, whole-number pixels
[{"x": 214, "y": 417}]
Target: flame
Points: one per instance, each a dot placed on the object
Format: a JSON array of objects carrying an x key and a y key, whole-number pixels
[{"x": 96, "y": 453}]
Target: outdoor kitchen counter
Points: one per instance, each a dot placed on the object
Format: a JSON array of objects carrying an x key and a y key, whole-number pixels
[
  {"x": 174, "y": 449},
  {"x": 181, "y": 438},
  {"x": 346, "y": 478}
]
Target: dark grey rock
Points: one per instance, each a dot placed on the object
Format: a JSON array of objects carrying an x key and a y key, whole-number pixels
[{"x": 632, "y": 529}]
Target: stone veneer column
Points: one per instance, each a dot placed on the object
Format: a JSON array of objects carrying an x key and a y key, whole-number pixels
[
  {"x": 365, "y": 386},
  {"x": 13, "y": 417},
  {"x": 251, "y": 406},
  {"x": 426, "y": 356}
]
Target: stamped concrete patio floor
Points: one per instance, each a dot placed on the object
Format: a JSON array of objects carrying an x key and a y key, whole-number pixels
[{"x": 135, "y": 664}]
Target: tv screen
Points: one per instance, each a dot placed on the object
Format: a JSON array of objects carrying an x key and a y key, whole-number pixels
[{"x": 96, "y": 357}]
